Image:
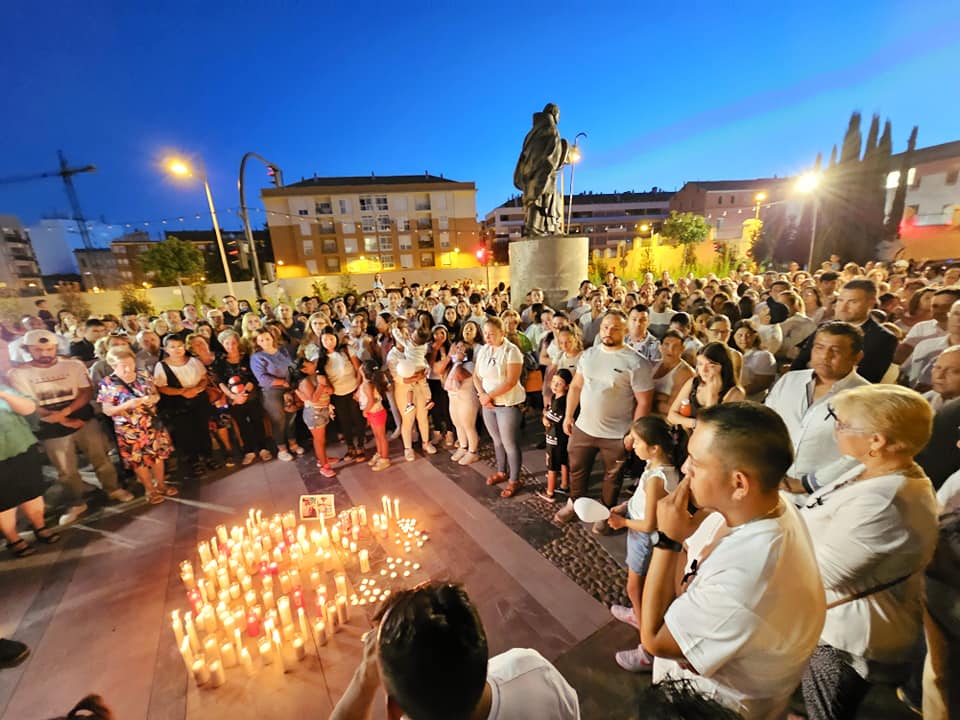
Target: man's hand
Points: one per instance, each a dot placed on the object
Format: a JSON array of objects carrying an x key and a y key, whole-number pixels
[
  {"x": 673, "y": 517},
  {"x": 55, "y": 418},
  {"x": 568, "y": 425}
]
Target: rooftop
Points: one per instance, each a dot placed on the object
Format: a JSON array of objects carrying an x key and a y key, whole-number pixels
[
  {"x": 370, "y": 180},
  {"x": 592, "y": 198},
  {"x": 945, "y": 151},
  {"x": 724, "y": 185}
]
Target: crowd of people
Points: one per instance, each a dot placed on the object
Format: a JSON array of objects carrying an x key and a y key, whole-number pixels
[{"x": 790, "y": 440}]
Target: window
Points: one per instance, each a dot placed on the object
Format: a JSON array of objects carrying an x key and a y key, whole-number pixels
[
  {"x": 424, "y": 223},
  {"x": 444, "y": 240},
  {"x": 329, "y": 246},
  {"x": 368, "y": 224},
  {"x": 308, "y": 248},
  {"x": 312, "y": 267},
  {"x": 324, "y": 207},
  {"x": 720, "y": 200},
  {"x": 350, "y": 246},
  {"x": 406, "y": 261},
  {"x": 326, "y": 227},
  {"x": 912, "y": 177},
  {"x": 422, "y": 203},
  {"x": 425, "y": 240},
  {"x": 400, "y": 203},
  {"x": 345, "y": 207},
  {"x": 333, "y": 264},
  {"x": 385, "y": 242},
  {"x": 382, "y": 205},
  {"x": 387, "y": 262},
  {"x": 427, "y": 260},
  {"x": 405, "y": 242},
  {"x": 916, "y": 179},
  {"x": 733, "y": 199},
  {"x": 349, "y": 228},
  {"x": 506, "y": 218},
  {"x": 443, "y": 223},
  {"x": 951, "y": 178},
  {"x": 383, "y": 223},
  {"x": 304, "y": 228},
  {"x": 402, "y": 224},
  {"x": 440, "y": 201},
  {"x": 366, "y": 203},
  {"x": 370, "y": 244},
  {"x": 893, "y": 179},
  {"x": 303, "y": 212}
]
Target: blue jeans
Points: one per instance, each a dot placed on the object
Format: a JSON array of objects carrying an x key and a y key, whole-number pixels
[{"x": 503, "y": 424}]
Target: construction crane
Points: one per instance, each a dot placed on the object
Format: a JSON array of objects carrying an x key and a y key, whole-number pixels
[{"x": 66, "y": 172}]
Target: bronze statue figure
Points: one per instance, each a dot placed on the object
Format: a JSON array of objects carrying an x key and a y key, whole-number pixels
[{"x": 544, "y": 153}]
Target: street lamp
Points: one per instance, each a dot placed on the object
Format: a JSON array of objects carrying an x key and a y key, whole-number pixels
[
  {"x": 807, "y": 184},
  {"x": 758, "y": 198},
  {"x": 180, "y": 168},
  {"x": 574, "y": 156}
]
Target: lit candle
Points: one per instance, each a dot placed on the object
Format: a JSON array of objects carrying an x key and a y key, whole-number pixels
[
  {"x": 222, "y": 534},
  {"x": 246, "y": 583},
  {"x": 234, "y": 591},
  {"x": 247, "y": 662},
  {"x": 204, "y": 550},
  {"x": 341, "y": 582},
  {"x": 343, "y": 612},
  {"x": 320, "y": 631},
  {"x": 266, "y": 651},
  {"x": 192, "y": 633},
  {"x": 362, "y": 514},
  {"x": 332, "y": 625},
  {"x": 266, "y": 582},
  {"x": 335, "y": 534},
  {"x": 228, "y": 654},
  {"x": 353, "y": 548},
  {"x": 299, "y": 651},
  {"x": 285, "y": 584},
  {"x": 283, "y": 607},
  {"x": 296, "y": 597},
  {"x": 186, "y": 653},
  {"x": 364, "y": 561},
  {"x": 289, "y": 631},
  {"x": 302, "y": 623},
  {"x": 268, "y": 601},
  {"x": 286, "y": 661},
  {"x": 217, "y": 674},
  {"x": 250, "y": 598},
  {"x": 209, "y": 619},
  {"x": 229, "y": 623},
  {"x": 266, "y": 543},
  {"x": 385, "y": 501},
  {"x": 210, "y": 648},
  {"x": 200, "y": 672},
  {"x": 396, "y": 507},
  {"x": 186, "y": 576}
]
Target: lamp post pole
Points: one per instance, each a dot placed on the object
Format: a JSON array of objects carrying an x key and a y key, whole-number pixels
[
  {"x": 813, "y": 233},
  {"x": 247, "y": 231},
  {"x": 216, "y": 231},
  {"x": 575, "y": 158}
]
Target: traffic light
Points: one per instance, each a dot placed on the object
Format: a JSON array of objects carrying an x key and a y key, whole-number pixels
[
  {"x": 481, "y": 255},
  {"x": 275, "y": 175}
]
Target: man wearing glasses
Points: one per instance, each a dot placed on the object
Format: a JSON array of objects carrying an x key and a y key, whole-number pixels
[
  {"x": 801, "y": 398},
  {"x": 429, "y": 651}
]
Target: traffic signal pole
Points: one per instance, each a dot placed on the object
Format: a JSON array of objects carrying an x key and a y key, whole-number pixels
[{"x": 276, "y": 176}]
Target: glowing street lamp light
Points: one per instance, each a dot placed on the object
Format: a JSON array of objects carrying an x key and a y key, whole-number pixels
[
  {"x": 181, "y": 168},
  {"x": 807, "y": 184}
]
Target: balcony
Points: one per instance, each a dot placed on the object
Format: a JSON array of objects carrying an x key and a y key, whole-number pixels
[
  {"x": 422, "y": 206},
  {"x": 424, "y": 224}
]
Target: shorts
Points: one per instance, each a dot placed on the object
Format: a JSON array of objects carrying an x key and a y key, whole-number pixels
[
  {"x": 316, "y": 417},
  {"x": 557, "y": 455},
  {"x": 639, "y": 551},
  {"x": 377, "y": 418}
]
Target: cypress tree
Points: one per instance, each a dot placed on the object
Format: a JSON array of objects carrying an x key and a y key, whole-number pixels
[{"x": 900, "y": 196}]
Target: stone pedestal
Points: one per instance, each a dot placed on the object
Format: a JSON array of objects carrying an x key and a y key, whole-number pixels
[{"x": 556, "y": 263}]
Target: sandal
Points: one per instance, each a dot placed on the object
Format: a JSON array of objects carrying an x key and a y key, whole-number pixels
[
  {"x": 48, "y": 536},
  {"x": 155, "y": 497},
  {"x": 549, "y": 497},
  {"x": 511, "y": 489},
  {"x": 20, "y": 548},
  {"x": 168, "y": 490},
  {"x": 497, "y": 478}
]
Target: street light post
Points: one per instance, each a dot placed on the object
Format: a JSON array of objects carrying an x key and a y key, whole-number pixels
[
  {"x": 574, "y": 159},
  {"x": 248, "y": 233},
  {"x": 807, "y": 184},
  {"x": 180, "y": 168}
]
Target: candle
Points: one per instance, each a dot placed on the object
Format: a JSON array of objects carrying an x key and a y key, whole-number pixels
[
  {"x": 335, "y": 534},
  {"x": 204, "y": 550},
  {"x": 385, "y": 501},
  {"x": 268, "y": 601},
  {"x": 364, "y": 561},
  {"x": 320, "y": 631},
  {"x": 302, "y": 622},
  {"x": 283, "y": 607},
  {"x": 228, "y": 654},
  {"x": 297, "y": 597},
  {"x": 332, "y": 625},
  {"x": 200, "y": 672},
  {"x": 321, "y": 603},
  {"x": 342, "y": 610},
  {"x": 299, "y": 650},
  {"x": 353, "y": 548},
  {"x": 266, "y": 582},
  {"x": 186, "y": 653},
  {"x": 209, "y": 619},
  {"x": 376, "y": 523},
  {"x": 266, "y": 651},
  {"x": 217, "y": 674},
  {"x": 288, "y": 632},
  {"x": 246, "y": 583},
  {"x": 234, "y": 591},
  {"x": 324, "y": 539},
  {"x": 341, "y": 581},
  {"x": 295, "y": 578},
  {"x": 250, "y": 598},
  {"x": 362, "y": 514},
  {"x": 327, "y": 561},
  {"x": 222, "y": 534},
  {"x": 192, "y": 632},
  {"x": 187, "y": 578},
  {"x": 285, "y": 584},
  {"x": 345, "y": 542},
  {"x": 247, "y": 662},
  {"x": 396, "y": 508},
  {"x": 177, "y": 626},
  {"x": 266, "y": 543},
  {"x": 210, "y": 648},
  {"x": 274, "y": 569},
  {"x": 229, "y": 623}
]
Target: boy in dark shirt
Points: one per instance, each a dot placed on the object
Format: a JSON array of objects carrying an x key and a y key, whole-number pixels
[{"x": 556, "y": 439}]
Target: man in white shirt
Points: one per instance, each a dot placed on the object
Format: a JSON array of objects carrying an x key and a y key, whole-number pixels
[
  {"x": 927, "y": 351},
  {"x": 935, "y": 327},
  {"x": 429, "y": 651},
  {"x": 945, "y": 378},
  {"x": 612, "y": 388},
  {"x": 752, "y": 604},
  {"x": 661, "y": 312},
  {"x": 801, "y": 399}
]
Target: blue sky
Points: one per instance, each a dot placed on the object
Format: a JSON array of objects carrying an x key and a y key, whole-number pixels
[{"x": 667, "y": 92}]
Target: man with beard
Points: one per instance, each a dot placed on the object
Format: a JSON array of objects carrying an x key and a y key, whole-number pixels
[{"x": 63, "y": 392}]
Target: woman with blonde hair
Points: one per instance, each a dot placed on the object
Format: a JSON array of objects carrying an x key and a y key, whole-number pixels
[
  {"x": 874, "y": 530},
  {"x": 250, "y": 325}
]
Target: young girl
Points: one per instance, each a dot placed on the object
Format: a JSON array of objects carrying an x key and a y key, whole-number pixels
[
  {"x": 414, "y": 345},
  {"x": 315, "y": 391},
  {"x": 370, "y": 396},
  {"x": 652, "y": 442},
  {"x": 556, "y": 438}
]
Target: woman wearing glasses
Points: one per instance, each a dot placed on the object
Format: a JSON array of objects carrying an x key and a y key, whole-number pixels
[{"x": 874, "y": 531}]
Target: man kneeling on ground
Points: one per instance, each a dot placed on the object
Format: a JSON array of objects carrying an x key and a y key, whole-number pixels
[{"x": 429, "y": 651}]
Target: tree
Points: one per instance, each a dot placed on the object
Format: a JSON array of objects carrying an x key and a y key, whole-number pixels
[
  {"x": 133, "y": 301},
  {"x": 172, "y": 261},
  {"x": 900, "y": 196},
  {"x": 687, "y": 229},
  {"x": 72, "y": 299}
]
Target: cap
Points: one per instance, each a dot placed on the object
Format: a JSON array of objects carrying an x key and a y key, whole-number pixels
[{"x": 39, "y": 337}]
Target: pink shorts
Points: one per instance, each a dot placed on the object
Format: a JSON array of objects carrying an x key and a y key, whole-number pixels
[{"x": 378, "y": 418}]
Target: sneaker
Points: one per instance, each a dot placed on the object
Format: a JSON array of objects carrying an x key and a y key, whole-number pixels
[
  {"x": 429, "y": 449},
  {"x": 266, "y": 455},
  {"x": 229, "y": 462},
  {"x": 469, "y": 458},
  {"x": 624, "y": 614},
  {"x": 409, "y": 455},
  {"x": 12, "y": 652},
  {"x": 327, "y": 471},
  {"x": 284, "y": 456},
  {"x": 458, "y": 454},
  {"x": 297, "y": 450},
  {"x": 213, "y": 464},
  {"x": 248, "y": 458},
  {"x": 449, "y": 440},
  {"x": 120, "y": 495},
  {"x": 374, "y": 460},
  {"x": 565, "y": 514},
  {"x": 409, "y": 408},
  {"x": 636, "y": 660},
  {"x": 382, "y": 464},
  {"x": 73, "y": 513}
]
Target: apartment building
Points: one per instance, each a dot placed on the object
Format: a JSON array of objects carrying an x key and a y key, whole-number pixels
[
  {"x": 726, "y": 204},
  {"x": 933, "y": 190},
  {"x": 328, "y": 225},
  {"x": 19, "y": 270}
]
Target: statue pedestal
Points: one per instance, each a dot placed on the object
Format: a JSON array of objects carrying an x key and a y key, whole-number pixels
[{"x": 555, "y": 263}]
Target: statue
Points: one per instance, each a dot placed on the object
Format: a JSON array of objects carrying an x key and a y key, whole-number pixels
[{"x": 544, "y": 153}]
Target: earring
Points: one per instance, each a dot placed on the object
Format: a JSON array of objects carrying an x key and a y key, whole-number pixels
[{"x": 873, "y": 453}]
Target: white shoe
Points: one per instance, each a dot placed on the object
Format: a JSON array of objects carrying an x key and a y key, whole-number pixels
[
  {"x": 266, "y": 455},
  {"x": 636, "y": 660},
  {"x": 469, "y": 458},
  {"x": 73, "y": 513},
  {"x": 624, "y": 614},
  {"x": 374, "y": 460},
  {"x": 248, "y": 458},
  {"x": 120, "y": 495},
  {"x": 285, "y": 456},
  {"x": 409, "y": 455},
  {"x": 458, "y": 454},
  {"x": 429, "y": 449},
  {"x": 381, "y": 464}
]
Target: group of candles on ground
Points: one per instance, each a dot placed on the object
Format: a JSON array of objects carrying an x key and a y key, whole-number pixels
[{"x": 249, "y": 603}]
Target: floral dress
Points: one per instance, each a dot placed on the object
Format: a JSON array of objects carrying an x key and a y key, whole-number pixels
[{"x": 140, "y": 439}]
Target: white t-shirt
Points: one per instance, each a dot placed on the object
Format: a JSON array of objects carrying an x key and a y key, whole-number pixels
[
  {"x": 924, "y": 330},
  {"x": 660, "y": 322},
  {"x": 611, "y": 378},
  {"x": 751, "y": 616},
  {"x": 525, "y": 686},
  {"x": 490, "y": 365},
  {"x": 341, "y": 373},
  {"x": 667, "y": 476},
  {"x": 189, "y": 374}
]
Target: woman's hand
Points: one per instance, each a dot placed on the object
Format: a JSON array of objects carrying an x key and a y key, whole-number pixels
[
  {"x": 486, "y": 401},
  {"x": 616, "y": 521}
]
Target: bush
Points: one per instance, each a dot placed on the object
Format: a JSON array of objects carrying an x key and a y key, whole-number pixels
[{"x": 133, "y": 301}]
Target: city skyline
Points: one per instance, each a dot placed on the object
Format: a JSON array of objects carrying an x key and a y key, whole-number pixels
[{"x": 755, "y": 93}]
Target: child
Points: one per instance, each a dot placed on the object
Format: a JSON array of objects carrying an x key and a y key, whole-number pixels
[
  {"x": 556, "y": 438},
  {"x": 414, "y": 346},
  {"x": 370, "y": 396},
  {"x": 653, "y": 442},
  {"x": 315, "y": 390}
]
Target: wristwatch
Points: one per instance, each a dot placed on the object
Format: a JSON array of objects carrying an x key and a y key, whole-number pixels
[{"x": 659, "y": 540}]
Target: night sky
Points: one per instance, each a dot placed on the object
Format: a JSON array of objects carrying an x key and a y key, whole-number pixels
[{"x": 667, "y": 91}]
